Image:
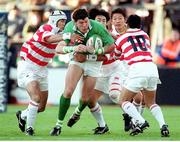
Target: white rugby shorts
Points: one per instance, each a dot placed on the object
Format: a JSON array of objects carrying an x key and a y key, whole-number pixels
[
  {"x": 111, "y": 73},
  {"x": 27, "y": 72},
  {"x": 142, "y": 76},
  {"x": 90, "y": 68}
]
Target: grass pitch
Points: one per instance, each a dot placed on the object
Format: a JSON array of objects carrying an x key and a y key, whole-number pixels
[{"x": 83, "y": 129}]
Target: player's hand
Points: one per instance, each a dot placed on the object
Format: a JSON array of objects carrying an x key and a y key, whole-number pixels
[
  {"x": 80, "y": 48},
  {"x": 90, "y": 49},
  {"x": 79, "y": 57},
  {"x": 114, "y": 36},
  {"x": 102, "y": 58},
  {"x": 76, "y": 38}
]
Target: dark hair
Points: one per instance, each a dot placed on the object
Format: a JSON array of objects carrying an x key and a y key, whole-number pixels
[
  {"x": 79, "y": 14},
  {"x": 118, "y": 11},
  {"x": 175, "y": 28},
  {"x": 95, "y": 12},
  {"x": 134, "y": 21},
  {"x": 105, "y": 14}
]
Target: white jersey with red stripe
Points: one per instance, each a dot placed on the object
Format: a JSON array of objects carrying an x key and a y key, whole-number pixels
[
  {"x": 36, "y": 50},
  {"x": 111, "y": 59},
  {"x": 134, "y": 46}
]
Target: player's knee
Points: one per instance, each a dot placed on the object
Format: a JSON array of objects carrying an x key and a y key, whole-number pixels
[
  {"x": 114, "y": 95},
  {"x": 115, "y": 92},
  {"x": 68, "y": 93},
  {"x": 91, "y": 104},
  {"x": 35, "y": 98},
  {"x": 84, "y": 99}
]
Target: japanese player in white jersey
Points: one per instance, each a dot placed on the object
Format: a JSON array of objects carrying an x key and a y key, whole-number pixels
[
  {"x": 32, "y": 69},
  {"x": 134, "y": 48}
]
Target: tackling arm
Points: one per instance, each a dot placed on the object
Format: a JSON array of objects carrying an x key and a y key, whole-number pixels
[
  {"x": 109, "y": 48},
  {"x": 65, "y": 36},
  {"x": 57, "y": 37}
]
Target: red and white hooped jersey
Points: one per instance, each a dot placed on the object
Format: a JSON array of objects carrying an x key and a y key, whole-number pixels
[
  {"x": 36, "y": 50},
  {"x": 112, "y": 54},
  {"x": 134, "y": 46}
]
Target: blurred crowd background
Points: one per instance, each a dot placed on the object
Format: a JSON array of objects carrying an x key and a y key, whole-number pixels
[{"x": 161, "y": 20}]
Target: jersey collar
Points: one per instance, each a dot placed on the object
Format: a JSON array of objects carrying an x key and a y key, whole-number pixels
[
  {"x": 76, "y": 30},
  {"x": 134, "y": 29},
  {"x": 114, "y": 31}
]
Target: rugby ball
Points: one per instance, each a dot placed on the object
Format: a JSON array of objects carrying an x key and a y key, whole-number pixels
[{"x": 95, "y": 41}]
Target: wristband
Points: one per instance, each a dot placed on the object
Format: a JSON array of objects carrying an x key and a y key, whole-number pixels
[
  {"x": 99, "y": 51},
  {"x": 66, "y": 36},
  {"x": 68, "y": 49},
  {"x": 91, "y": 57}
]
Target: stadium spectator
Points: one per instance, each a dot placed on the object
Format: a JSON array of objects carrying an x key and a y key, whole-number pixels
[
  {"x": 134, "y": 48},
  {"x": 15, "y": 23},
  {"x": 32, "y": 69},
  {"x": 89, "y": 70},
  {"x": 34, "y": 21},
  {"x": 169, "y": 54}
]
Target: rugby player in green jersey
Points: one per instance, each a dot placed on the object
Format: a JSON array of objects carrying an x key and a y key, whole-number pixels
[{"x": 89, "y": 70}]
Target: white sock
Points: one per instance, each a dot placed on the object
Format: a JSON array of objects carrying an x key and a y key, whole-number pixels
[
  {"x": 141, "y": 109},
  {"x": 59, "y": 123},
  {"x": 97, "y": 113},
  {"x": 157, "y": 113},
  {"x": 32, "y": 113},
  {"x": 136, "y": 105},
  {"x": 24, "y": 114},
  {"x": 131, "y": 110},
  {"x": 138, "y": 108},
  {"x": 133, "y": 121}
]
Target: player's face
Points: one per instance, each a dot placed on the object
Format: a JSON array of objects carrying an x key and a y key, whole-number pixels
[
  {"x": 83, "y": 25},
  {"x": 118, "y": 20},
  {"x": 101, "y": 19},
  {"x": 61, "y": 23}
]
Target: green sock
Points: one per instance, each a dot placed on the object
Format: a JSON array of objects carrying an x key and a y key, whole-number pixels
[
  {"x": 63, "y": 107},
  {"x": 82, "y": 105}
]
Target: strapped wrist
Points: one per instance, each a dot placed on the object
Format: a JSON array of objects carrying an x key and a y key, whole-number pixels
[
  {"x": 99, "y": 51},
  {"x": 68, "y": 49},
  {"x": 91, "y": 57}
]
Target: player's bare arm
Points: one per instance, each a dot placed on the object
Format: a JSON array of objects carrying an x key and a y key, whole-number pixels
[
  {"x": 59, "y": 37},
  {"x": 109, "y": 48}
]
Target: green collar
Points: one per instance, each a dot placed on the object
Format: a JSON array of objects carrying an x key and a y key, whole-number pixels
[{"x": 76, "y": 30}]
